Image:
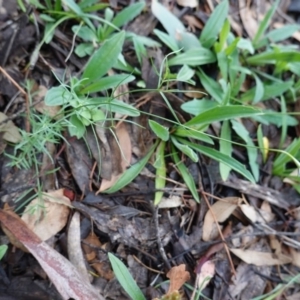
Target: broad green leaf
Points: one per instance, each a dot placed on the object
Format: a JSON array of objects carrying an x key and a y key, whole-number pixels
[
  {"x": 185, "y": 74},
  {"x": 193, "y": 57},
  {"x": 221, "y": 113},
  {"x": 273, "y": 57},
  {"x": 76, "y": 128},
  {"x": 211, "y": 86},
  {"x": 264, "y": 24},
  {"x": 174, "y": 27},
  {"x": 84, "y": 49},
  {"x": 104, "y": 58},
  {"x": 130, "y": 174},
  {"x": 270, "y": 91},
  {"x": 196, "y": 107},
  {"x": 167, "y": 40},
  {"x": 259, "y": 89},
  {"x": 58, "y": 96},
  {"x": 185, "y": 149},
  {"x": 73, "y": 6},
  {"x": 125, "y": 278},
  {"x": 214, "y": 24},
  {"x": 225, "y": 148},
  {"x": 85, "y": 33},
  {"x": 49, "y": 32},
  {"x": 161, "y": 171},
  {"x": 193, "y": 134},
  {"x": 278, "y": 35},
  {"x": 3, "y": 249},
  {"x": 225, "y": 159},
  {"x": 186, "y": 175},
  {"x": 105, "y": 83},
  {"x": 245, "y": 44},
  {"x": 121, "y": 107},
  {"x": 159, "y": 130},
  {"x": 242, "y": 132}
]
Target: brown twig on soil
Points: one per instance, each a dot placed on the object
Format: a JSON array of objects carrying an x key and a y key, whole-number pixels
[{"x": 148, "y": 268}]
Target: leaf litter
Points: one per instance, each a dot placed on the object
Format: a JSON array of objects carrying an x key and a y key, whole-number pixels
[{"x": 256, "y": 222}]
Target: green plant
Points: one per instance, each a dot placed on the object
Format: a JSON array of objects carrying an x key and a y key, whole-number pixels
[{"x": 3, "y": 249}]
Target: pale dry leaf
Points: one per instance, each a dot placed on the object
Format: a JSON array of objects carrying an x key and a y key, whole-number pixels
[
  {"x": 250, "y": 24},
  {"x": 10, "y": 131},
  {"x": 178, "y": 277},
  {"x": 249, "y": 212},
  {"x": 266, "y": 212},
  {"x": 170, "y": 202},
  {"x": 295, "y": 257},
  {"x": 75, "y": 254},
  {"x": 68, "y": 281},
  {"x": 259, "y": 258},
  {"x": 193, "y": 22},
  {"x": 221, "y": 210},
  {"x": 206, "y": 274},
  {"x": 47, "y": 219},
  {"x": 187, "y": 3}
]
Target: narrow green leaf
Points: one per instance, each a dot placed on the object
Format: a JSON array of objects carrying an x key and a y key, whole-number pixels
[
  {"x": 161, "y": 171},
  {"x": 196, "y": 106},
  {"x": 259, "y": 89},
  {"x": 125, "y": 278},
  {"x": 185, "y": 149},
  {"x": 130, "y": 174},
  {"x": 160, "y": 131},
  {"x": 243, "y": 133},
  {"x": 193, "y": 134},
  {"x": 167, "y": 40},
  {"x": 105, "y": 83},
  {"x": 261, "y": 143},
  {"x": 221, "y": 113},
  {"x": 273, "y": 57},
  {"x": 193, "y": 57},
  {"x": 3, "y": 249},
  {"x": 104, "y": 58},
  {"x": 211, "y": 86},
  {"x": 186, "y": 175},
  {"x": 264, "y": 24},
  {"x": 214, "y": 24},
  {"x": 225, "y": 148},
  {"x": 225, "y": 159},
  {"x": 121, "y": 107}
]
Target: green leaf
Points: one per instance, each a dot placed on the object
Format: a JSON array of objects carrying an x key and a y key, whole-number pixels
[
  {"x": 245, "y": 44},
  {"x": 264, "y": 24},
  {"x": 193, "y": 134},
  {"x": 174, "y": 27},
  {"x": 225, "y": 148},
  {"x": 185, "y": 149},
  {"x": 76, "y": 127},
  {"x": 85, "y": 33},
  {"x": 159, "y": 130},
  {"x": 185, "y": 74},
  {"x": 186, "y": 175},
  {"x": 193, "y": 57},
  {"x": 261, "y": 143},
  {"x": 130, "y": 174},
  {"x": 161, "y": 171},
  {"x": 58, "y": 96},
  {"x": 121, "y": 107},
  {"x": 222, "y": 158},
  {"x": 105, "y": 83},
  {"x": 259, "y": 89},
  {"x": 211, "y": 86},
  {"x": 196, "y": 106},
  {"x": 273, "y": 57},
  {"x": 104, "y": 58},
  {"x": 3, "y": 249},
  {"x": 270, "y": 91},
  {"x": 242, "y": 132},
  {"x": 125, "y": 278},
  {"x": 84, "y": 49},
  {"x": 167, "y": 40},
  {"x": 221, "y": 113},
  {"x": 214, "y": 24}
]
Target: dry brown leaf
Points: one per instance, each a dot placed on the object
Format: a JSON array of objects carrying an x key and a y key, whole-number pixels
[
  {"x": 124, "y": 152},
  {"x": 170, "y": 202},
  {"x": 188, "y": 3},
  {"x": 178, "y": 277},
  {"x": 10, "y": 131},
  {"x": 250, "y": 24},
  {"x": 46, "y": 220},
  {"x": 65, "y": 277},
  {"x": 89, "y": 252},
  {"x": 295, "y": 257},
  {"x": 75, "y": 254},
  {"x": 221, "y": 210},
  {"x": 193, "y": 22},
  {"x": 259, "y": 258}
]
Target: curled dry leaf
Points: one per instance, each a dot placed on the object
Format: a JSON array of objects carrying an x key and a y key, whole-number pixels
[
  {"x": 10, "y": 131},
  {"x": 259, "y": 258},
  {"x": 178, "y": 277},
  {"x": 221, "y": 210},
  {"x": 68, "y": 281},
  {"x": 47, "y": 220}
]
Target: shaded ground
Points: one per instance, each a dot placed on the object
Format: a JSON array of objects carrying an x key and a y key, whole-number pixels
[{"x": 253, "y": 218}]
